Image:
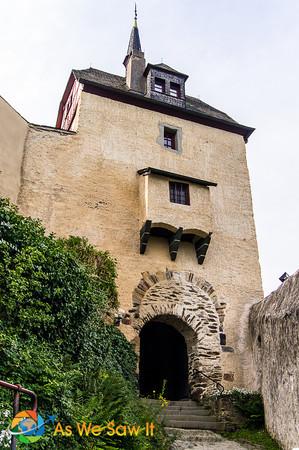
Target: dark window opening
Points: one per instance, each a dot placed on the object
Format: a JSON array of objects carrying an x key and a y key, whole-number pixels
[
  {"x": 170, "y": 138},
  {"x": 179, "y": 193},
  {"x": 175, "y": 90},
  {"x": 222, "y": 338},
  {"x": 160, "y": 85}
]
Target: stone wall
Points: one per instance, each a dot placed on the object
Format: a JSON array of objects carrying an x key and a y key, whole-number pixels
[
  {"x": 87, "y": 184},
  {"x": 274, "y": 329},
  {"x": 13, "y": 131},
  {"x": 189, "y": 304}
]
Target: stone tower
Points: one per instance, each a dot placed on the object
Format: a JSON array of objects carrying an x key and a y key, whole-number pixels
[{"x": 160, "y": 179}]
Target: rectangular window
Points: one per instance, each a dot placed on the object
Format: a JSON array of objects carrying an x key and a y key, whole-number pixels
[
  {"x": 179, "y": 193},
  {"x": 160, "y": 85},
  {"x": 170, "y": 138},
  {"x": 175, "y": 90}
]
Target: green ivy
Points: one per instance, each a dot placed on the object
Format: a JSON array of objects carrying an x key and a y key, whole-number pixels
[{"x": 55, "y": 298}]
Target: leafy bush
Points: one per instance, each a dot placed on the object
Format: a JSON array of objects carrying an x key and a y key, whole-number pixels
[
  {"x": 55, "y": 298},
  {"x": 249, "y": 404}
]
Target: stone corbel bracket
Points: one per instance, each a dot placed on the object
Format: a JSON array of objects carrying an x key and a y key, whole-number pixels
[{"x": 201, "y": 245}]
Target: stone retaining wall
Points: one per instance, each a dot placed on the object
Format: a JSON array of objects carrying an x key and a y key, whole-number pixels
[{"x": 274, "y": 329}]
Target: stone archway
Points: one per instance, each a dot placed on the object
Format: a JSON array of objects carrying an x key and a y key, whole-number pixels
[{"x": 188, "y": 303}]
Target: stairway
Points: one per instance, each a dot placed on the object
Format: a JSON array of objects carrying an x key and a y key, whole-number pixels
[{"x": 188, "y": 414}]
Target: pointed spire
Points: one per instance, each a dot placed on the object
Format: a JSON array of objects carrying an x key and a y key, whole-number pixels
[
  {"x": 134, "y": 61},
  {"x": 134, "y": 42}
]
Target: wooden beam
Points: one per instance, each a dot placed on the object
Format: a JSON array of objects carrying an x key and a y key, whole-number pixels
[
  {"x": 201, "y": 248},
  {"x": 144, "y": 236},
  {"x": 174, "y": 243},
  {"x": 174, "y": 176}
]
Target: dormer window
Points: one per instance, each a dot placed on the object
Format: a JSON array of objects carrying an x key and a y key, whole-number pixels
[
  {"x": 175, "y": 90},
  {"x": 160, "y": 85}
]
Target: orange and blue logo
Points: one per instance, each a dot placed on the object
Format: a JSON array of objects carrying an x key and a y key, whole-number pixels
[{"x": 29, "y": 426}]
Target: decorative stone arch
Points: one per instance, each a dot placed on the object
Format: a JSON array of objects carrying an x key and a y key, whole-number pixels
[{"x": 188, "y": 303}]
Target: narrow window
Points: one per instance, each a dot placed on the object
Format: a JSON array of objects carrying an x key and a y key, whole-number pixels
[
  {"x": 160, "y": 85},
  {"x": 179, "y": 193},
  {"x": 170, "y": 140},
  {"x": 175, "y": 90}
]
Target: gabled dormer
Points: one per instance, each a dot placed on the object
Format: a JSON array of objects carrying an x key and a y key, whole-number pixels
[{"x": 165, "y": 84}]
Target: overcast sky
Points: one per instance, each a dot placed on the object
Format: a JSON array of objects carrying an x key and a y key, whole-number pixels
[{"x": 241, "y": 57}]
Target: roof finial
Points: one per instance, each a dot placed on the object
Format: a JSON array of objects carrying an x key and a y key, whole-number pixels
[{"x": 135, "y": 18}]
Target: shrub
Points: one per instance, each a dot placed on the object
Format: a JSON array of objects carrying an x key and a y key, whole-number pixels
[
  {"x": 249, "y": 404},
  {"x": 55, "y": 297}
]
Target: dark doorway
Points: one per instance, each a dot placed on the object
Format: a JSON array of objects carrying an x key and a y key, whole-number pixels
[{"x": 163, "y": 356}]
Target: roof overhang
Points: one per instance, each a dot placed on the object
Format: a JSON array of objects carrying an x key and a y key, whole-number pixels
[
  {"x": 141, "y": 101},
  {"x": 175, "y": 176},
  {"x": 163, "y": 69}
]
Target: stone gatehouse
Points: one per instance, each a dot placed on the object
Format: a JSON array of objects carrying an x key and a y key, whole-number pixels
[
  {"x": 187, "y": 303},
  {"x": 159, "y": 178}
]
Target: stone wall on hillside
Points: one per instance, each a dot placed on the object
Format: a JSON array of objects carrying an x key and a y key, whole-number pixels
[{"x": 275, "y": 342}]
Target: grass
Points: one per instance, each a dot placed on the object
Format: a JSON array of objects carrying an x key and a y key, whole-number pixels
[{"x": 257, "y": 437}]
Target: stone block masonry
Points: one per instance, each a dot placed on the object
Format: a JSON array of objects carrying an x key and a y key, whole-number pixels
[
  {"x": 86, "y": 184},
  {"x": 275, "y": 343}
]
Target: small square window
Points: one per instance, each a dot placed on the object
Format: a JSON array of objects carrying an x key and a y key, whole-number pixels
[
  {"x": 175, "y": 90},
  {"x": 179, "y": 193},
  {"x": 160, "y": 85},
  {"x": 170, "y": 140}
]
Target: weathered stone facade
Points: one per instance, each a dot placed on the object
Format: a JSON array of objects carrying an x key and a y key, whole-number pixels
[
  {"x": 275, "y": 344},
  {"x": 85, "y": 184},
  {"x": 88, "y": 183}
]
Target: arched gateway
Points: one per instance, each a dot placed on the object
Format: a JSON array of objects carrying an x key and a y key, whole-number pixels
[{"x": 177, "y": 317}]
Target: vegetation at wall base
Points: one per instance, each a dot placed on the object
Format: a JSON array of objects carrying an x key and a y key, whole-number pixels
[
  {"x": 55, "y": 298},
  {"x": 257, "y": 437},
  {"x": 248, "y": 404},
  {"x": 250, "y": 407}
]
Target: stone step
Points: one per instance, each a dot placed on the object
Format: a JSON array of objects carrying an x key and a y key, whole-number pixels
[
  {"x": 185, "y": 411},
  {"x": 194, "y": 425},
  {"x": 190, "y": 418},
  {"x": 178, "y": 406},
  {"x": 191, "y": 435},
  {"x": 186, "y": 408},
  {"x": 174, "y": 402}
]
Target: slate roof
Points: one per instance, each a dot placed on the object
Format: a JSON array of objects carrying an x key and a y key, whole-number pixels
[
  {"x": 117, "y": 82},
  {"x": 165, "y": 68},
  {"x": 134, "y": 42}
]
